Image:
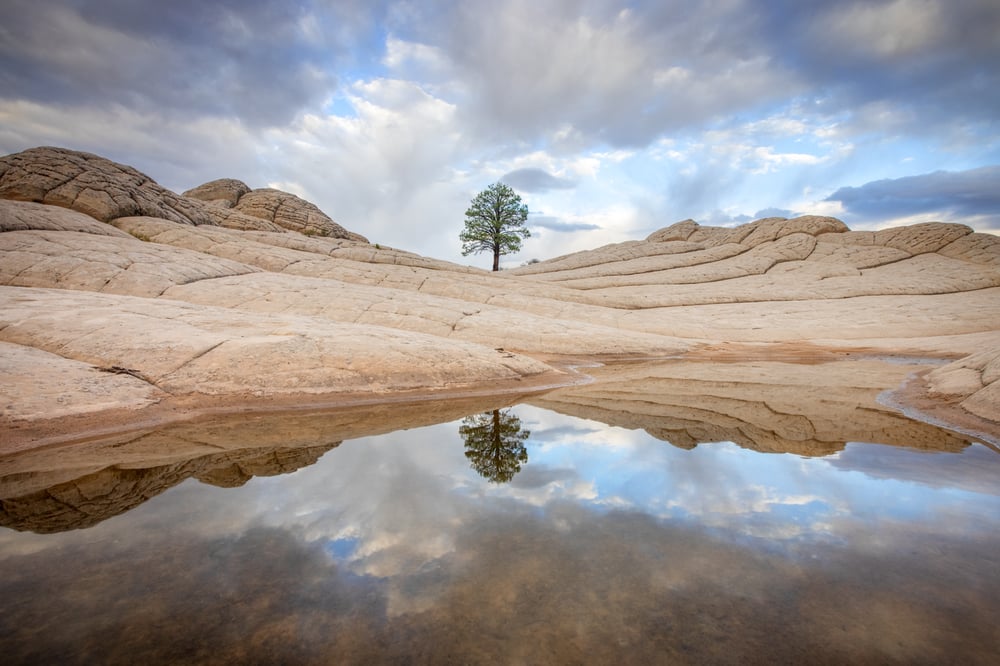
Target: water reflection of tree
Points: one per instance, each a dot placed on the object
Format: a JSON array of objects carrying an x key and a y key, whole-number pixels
[{"x": 494, "y": 444}]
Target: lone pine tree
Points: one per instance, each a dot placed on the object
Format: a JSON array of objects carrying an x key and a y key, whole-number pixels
[{"x": 494, "y": 223}]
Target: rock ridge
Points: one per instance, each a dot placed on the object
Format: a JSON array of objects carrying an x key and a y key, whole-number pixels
[{"x": 232, "y": 291}]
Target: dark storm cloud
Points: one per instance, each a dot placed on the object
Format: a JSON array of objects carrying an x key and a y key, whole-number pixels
[
  {"x": 536, "y": 180},
  {"x": 553, "y": 224},
  {"x": 260, "y": 61},
  {"x": 971, "y": 193}
]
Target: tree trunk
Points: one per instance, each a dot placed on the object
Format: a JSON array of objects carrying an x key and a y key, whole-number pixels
[{"x": 496, "y": 260}]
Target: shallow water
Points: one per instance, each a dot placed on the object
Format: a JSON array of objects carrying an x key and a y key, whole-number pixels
[{"x": 516, "y": 535}]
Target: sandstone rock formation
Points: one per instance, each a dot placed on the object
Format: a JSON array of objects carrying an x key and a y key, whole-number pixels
[
  {"x": 973, "y": 382},
  {"x": 93, "y": 185},
  {"x": 228, "y": 291},
  {"x": 290, "y": 212},
  {"x": 278, "y": 210},
  {"x": 223, "y": 192}
]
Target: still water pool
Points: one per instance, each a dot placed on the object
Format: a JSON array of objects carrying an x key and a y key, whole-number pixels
[{"x": 513, "y": 535}]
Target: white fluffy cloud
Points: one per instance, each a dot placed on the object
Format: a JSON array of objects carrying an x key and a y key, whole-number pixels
[{"x": 613, "y": 122}]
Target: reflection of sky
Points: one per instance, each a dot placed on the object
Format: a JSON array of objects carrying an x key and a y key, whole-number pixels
[
  {"x": 402, "y": 523},
  {"x": 389, "y": 503},
  {"x": 722, "y": 485}
]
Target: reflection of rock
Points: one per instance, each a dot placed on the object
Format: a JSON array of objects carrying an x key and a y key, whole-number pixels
[
  {"x": 90, "y": 499},
  {"x": 976, "y": 470},
  {"x": 805, "y": 409},
  {"x": 78, "y": 485}
]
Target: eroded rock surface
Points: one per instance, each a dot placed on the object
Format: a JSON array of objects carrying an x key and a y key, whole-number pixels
[
  {"x": 224, "y": 192},
  {"x": 232, "y": 291},
  {"x": 185, "y": 349},
  {"x": 973, "y": 380},
  {"x": 92, "y": 185},
  {"x": 292, "y": 212}
]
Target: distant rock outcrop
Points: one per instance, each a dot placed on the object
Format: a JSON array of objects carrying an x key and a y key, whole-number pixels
[
  {"x": 752, "y": 234},
  {"x": 224, "y": 192},
  {"x": 292, "y": 212},
  {"x": 232, "y": 201},
  {"x": 221, "y": 196},
  {"x": 92, "y": 185}
]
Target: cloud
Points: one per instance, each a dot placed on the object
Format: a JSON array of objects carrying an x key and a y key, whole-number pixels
[
  {"x": 390, "y": 116},
  {"x": 953, "y": 194},
  {"x": 260, "y": 61},
  {"x": 773, "y": 212},
  {"x": 536, "y": 180},
  {"x": 553, "y": 224},
  {"x": 929, "y": 59},
  {"x": 598, "y": 73}
]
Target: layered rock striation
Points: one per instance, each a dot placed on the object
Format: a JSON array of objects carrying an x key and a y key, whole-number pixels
[{"x": 230, "y": 292}]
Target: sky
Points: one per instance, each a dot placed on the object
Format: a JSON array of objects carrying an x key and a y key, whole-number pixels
[{"x": 610, "y": 119}]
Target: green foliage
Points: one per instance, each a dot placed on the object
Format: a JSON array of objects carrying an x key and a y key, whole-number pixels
[
  {"x": 494, "y": 444},
  {"x": 323, "y": 233},
  {"x": 494, "y": 223}
]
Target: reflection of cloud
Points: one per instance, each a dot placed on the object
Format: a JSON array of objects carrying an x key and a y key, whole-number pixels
[
  {"x": 562, "y": 485},
  {"x": 537, "y": 476},
  {"x": 405, "y": 514},
  {"x": 977, "y": 469},
  {"x": 742, "y": 501},
  {"x": 564, "y": 585}
]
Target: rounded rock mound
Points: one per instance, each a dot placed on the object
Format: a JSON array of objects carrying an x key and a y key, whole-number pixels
[
  {"x": 223, "y": 192},
  {"x": 291, "y": 212},
  {"x": 93, "y": 185}
]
